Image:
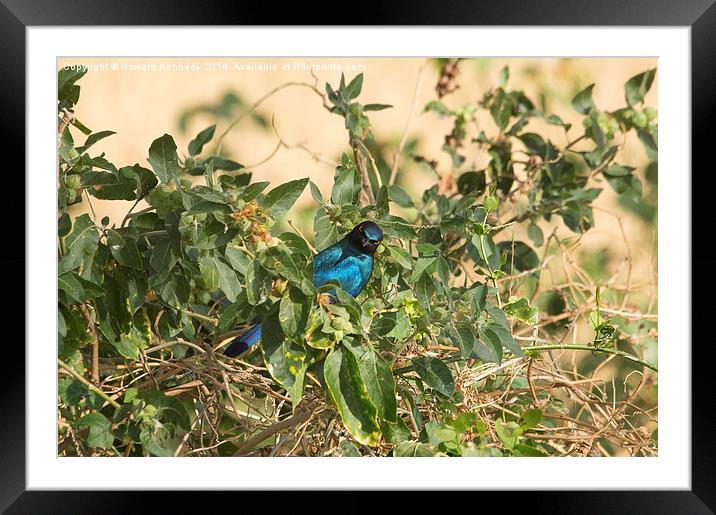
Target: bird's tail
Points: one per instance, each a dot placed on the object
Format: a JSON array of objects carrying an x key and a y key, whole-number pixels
[{"x": 244, "y": 342}]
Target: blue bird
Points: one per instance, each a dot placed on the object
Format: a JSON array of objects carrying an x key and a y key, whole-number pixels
[{"x": 348, "y": 262}]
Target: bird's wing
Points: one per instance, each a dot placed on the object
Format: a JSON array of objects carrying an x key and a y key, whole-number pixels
[
  {"x": 325, "y": 263},
  {"x": 351, "y": 272}
]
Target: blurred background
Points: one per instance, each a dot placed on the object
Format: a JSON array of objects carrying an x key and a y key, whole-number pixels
[{"x": 290, "y": 135}]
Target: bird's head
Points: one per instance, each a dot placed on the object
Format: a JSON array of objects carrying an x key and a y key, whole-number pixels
[{"x": 366, "y": 236}]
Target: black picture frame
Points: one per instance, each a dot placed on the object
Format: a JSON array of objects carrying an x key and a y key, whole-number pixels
[{"x": 17, "y": 15}]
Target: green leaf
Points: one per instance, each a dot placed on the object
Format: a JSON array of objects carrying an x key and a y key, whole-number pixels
[
  {"x": 325, "y": 229},
  {"x": 534, "y": 232},
  {"x": 464, "y": 422},
  {"x": 158, "y": 439},
  {"x": 488, "y": 348},
  {"x": 501, "y": 109},
  {"x": 100, "y": 430},
  {"x": 479, "y": 299},
  {"x": 64, "y": 225},
  {"x": 284, "y": 358},
  {"x": 123, "y": 246},
  {"x": 70, "y": 390},
  {"x": 68, "y": 93},
  {"x": 435, "y": 374},
  {"x": 170, "y": 409},
  {"x": 438, "y": 108},
  {"x": 400, "y": 256},
  {"x": 505, "y": 338},
  {"x": 397, "y": 227},
  {"x": 649, "y": 137},
  {"x": 379, "y": 381},
  {"x": 228, "y": 281},
  {"x": 553, "y": 119},
  {"x": 258, "y": 283},
  {"x": 219, "y": 163},
  {"x": 293, "y": 311},
  {"x": 399, "y": 196},
  {"x": 109, "y": 186},
  {"x": 145, "y": 179},
  {"x": 209, "y": 273},
  {"x": 162, "y": 257},
  {"x": 415, "y": 450},
  {"x": 209, "y": 207},
  {"x": 636, "y": 88},
  {"x": 197, "y": 144},
  {"x": 463, "y": 337},
  {"x": 521, "y": 449},
  {"x": 524, "y": 257},
  {"x": 394, "y": 432},
  {"x": 507, "y": 432},
  {"x": 348, "y": 391},
  {"x": 346, "y": 187},
  {"x": 490, "y": 203},
  {"x": 345, "y": 449},
  {"x": 238, "y": 260},
  {"x": 530, "y": 418},
  {"x": 504, "y": 76},
  {"x": 279, "y": 260},
  {"x": 582, "y": 102},
  {"x": 355, "y": 86},
  {"x": 376, "y": 107},
  {"x": 128, "y": 344},
  {"x": 67, "y": 152},
  {"x": 280, "y": 199},
  {"x": 497, "y": 315},
  {"x": 71, "y": 286},
  {"x": 163, "y": 158},
  {"x": 488, "y": 254},
  {"x": 78, "y": 288},
  {"x": 534, "y": 143},
  {"x": 81, "y": 126},
  {"x": 621, "y": 179},
  {"x": 94, "y": 138},
  {"x": 470, "y": 182},
  {"x": 521, "y": 309},
  {"x": 80, "y": 245},
  {"x": 316, "y": 193}
]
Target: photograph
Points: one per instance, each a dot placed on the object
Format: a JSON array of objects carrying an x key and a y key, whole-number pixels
[{"x": 357, "y": 257}]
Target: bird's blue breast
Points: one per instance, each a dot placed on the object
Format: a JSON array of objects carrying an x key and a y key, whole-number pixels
[{"x": 342, "y": 263}]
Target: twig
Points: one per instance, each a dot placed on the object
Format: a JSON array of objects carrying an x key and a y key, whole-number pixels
[
  {"x": 606, "y": 350},
  {"x": 126, "y": 217},
  {"x": 66, "y": 368},
  {"x": 539, "y": 348},
  {"x": 366, "y": 191},
  {"x": 317, "y": 157},
  {"x": 67, "y": 118},
  {"x": 404, "y": 137},
  {"x": 301, "y": 415},
  {"x": 171, "y": 344},
  {"x": 237, "y": 120},
  {"x": 95, "y": 342},
  {"x": 313, "y": 249}
]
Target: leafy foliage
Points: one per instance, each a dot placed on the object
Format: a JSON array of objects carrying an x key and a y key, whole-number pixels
[{"x": 173, "y": 281}]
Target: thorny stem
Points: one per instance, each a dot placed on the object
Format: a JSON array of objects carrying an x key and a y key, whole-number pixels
[{"x": 555, "y": 346}]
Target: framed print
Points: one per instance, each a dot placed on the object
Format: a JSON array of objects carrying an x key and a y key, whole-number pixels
[{"x": 403, "y": 257}]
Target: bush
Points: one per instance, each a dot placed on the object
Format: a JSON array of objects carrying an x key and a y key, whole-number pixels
[{"x": 431, "y": 359}]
